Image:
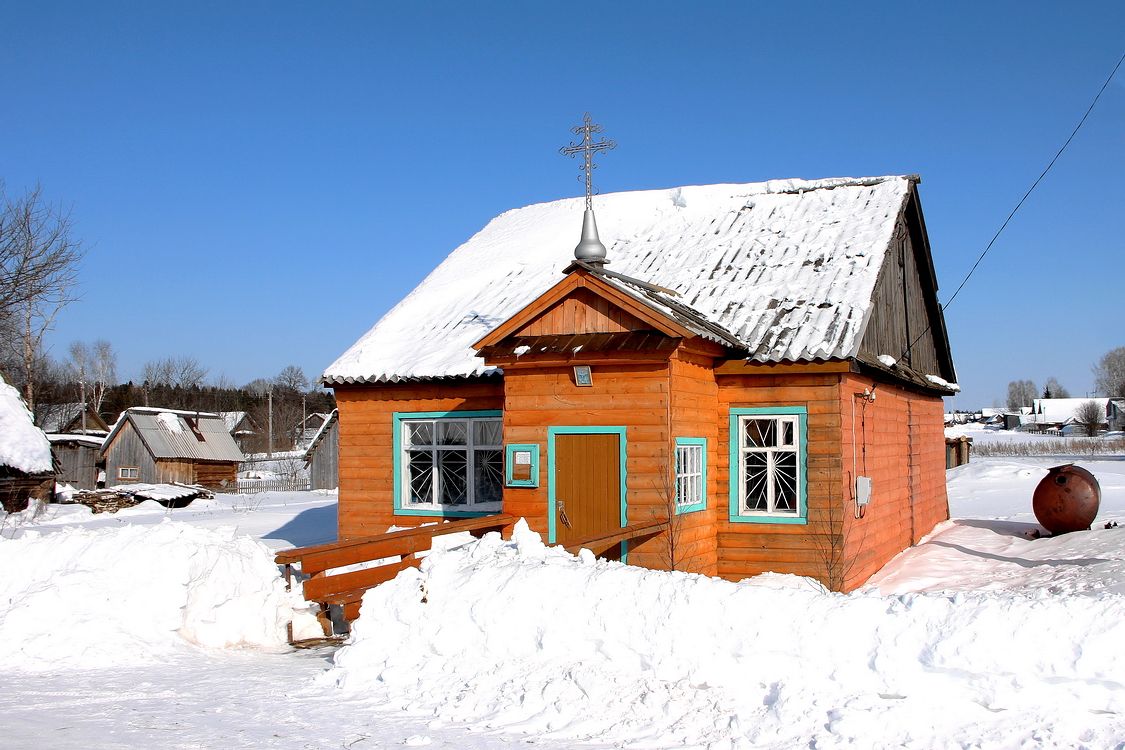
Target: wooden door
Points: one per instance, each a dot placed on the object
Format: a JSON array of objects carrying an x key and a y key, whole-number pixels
[{"x": 587, "y": 486}]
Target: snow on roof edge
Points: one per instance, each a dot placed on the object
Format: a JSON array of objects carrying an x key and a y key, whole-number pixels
[{"x": 348, "y": 368}]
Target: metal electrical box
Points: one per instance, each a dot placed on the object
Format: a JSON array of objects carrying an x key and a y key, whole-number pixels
[{"x": 862, "y": 491}]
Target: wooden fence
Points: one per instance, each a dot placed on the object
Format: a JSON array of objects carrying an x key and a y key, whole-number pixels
[{"x": 281, "y": 484}]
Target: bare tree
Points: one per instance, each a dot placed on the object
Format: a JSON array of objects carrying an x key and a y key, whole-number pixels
[
  {"x": 1109, "y": 373},
  {"x": 181, "y": 371},
  {"x": 80, "y": 367},
  {"x": 293, "y": 378},
  {"x": 1055, "y": 389},
  {"x": 103, "y": 371},
  {"x": 1091, "y": 415},
  {"x": 1021, "y": 393},
  {"x": 38, "y": 271}
]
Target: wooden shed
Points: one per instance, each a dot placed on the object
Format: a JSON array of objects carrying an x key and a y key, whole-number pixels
[
  {"x": 26, "y": 465},
  {"x": 323, "y": 454},
  {"x": 160, "y": 446},
  {"x": 77, "y": 459},
  {"x": 762, "y": 370},
  {"x": 73, "y": 417},
  {"x": 243, "y": 429}
]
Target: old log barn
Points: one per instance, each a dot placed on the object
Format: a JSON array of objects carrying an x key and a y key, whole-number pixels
[
  {"x": 760, "y": 367},
  {"x": 166, "y": 445},
  {"x": 26, "y": 467}
]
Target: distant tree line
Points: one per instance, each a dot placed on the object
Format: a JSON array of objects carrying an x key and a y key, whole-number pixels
[
  {"x": 180, "y": 382},
  {"x": 1109, "y": 381}
]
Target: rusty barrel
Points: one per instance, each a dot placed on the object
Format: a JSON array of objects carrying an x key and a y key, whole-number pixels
[{"x": 1067, "y": 499}]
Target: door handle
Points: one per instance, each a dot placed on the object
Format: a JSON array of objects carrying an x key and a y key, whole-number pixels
[{"x": 562, "y": 514}]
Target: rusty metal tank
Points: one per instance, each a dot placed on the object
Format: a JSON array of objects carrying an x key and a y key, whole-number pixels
[{"x": 1067, "y": 499}]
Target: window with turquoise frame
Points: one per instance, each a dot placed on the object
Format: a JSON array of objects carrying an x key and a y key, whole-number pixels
[
  {"x": 691, "y": 474},
  {"x": 521, "y": 465},
  {"x": 768, "y": 465},
  {"x": 448, "y": 464}
]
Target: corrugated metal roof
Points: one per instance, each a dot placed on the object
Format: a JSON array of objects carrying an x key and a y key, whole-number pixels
[
  {"x": 785, "y": 270},
  {"x": 198, "y": 436}
]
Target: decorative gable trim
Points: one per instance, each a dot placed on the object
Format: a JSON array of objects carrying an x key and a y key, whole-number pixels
[{"x": 575, "y": 280}]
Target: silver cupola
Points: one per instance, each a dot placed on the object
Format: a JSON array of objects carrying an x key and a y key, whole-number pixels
[{"x": 590, "y": 248}]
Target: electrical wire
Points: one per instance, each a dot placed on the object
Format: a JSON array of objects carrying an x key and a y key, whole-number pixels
[{"x": 1030, "y": 190}]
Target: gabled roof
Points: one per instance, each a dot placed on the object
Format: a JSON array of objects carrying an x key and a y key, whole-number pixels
[
  {"x": 1061, "y": 410},
  {"x": 173, "y": 433},
  {"x": 23, "y": 446},
  {"x": 785, "y": 268},
  {"x": 325, "y": 426},
  {"x": 58, "y": 418}
]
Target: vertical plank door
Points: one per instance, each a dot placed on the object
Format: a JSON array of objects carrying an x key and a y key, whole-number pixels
[{"x": 587, "y": 486}]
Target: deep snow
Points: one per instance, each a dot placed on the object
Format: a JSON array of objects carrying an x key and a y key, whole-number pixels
[{"x": 980, "y": 637}]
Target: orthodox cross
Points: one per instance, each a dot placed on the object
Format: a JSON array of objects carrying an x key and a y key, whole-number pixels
[{"x": 588, "y": 147}]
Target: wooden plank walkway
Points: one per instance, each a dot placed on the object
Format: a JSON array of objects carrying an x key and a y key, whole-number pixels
[{"x": 396, "y": 551}]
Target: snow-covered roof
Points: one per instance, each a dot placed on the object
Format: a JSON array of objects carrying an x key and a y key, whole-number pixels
[
  {"x": 787, "y": 267},
  {"x": 232, "y": 418},
  {"x": 320, "y": 432},
  {"x": 169, "y": 434},
  {"x": 1061, "y": 410},
  {"x": 93, "y": 441},
  {"x": 23, "y": 446}
]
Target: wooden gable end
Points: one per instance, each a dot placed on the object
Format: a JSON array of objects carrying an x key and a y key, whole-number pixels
[
  {"x": 582, "y": 304},
  {"x": 906, "y": 321},
  {"x": 582, "y": 311}
]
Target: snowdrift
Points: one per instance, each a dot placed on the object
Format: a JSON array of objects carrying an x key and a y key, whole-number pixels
[
  {"x": 520, "y": 637},
  {"x": 86, "y": 599}
]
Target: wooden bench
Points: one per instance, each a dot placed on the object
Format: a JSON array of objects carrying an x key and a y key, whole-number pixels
[{"x": 396, "y": 551}]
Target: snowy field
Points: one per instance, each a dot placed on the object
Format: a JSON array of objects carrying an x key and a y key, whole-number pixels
[
  {"x": 996, "y": 441},
  {"x": 165, "y": 629}
]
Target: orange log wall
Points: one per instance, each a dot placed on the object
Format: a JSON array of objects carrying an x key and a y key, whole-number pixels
[
  {"x": 659, "y": 401},
  {"x": 690, "y": 543},
  {"x": 631, "y": 395},
  {"x": 905, "y": 457},
  {"x": 366, "y": 450},
  {"x": 747, "y": 549}
]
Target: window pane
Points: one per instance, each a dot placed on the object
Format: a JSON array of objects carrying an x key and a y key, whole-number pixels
[
  {"x": 419, "y": 433},
  {"x": 488, "y": 482},
  {"x": 787, "y": 432},
  {"x": 452, "y": 432},
  {"x": 419, "y": 469},
  {"x": 452, "y": 477},
  {"x": 757, "y": 486},
  {"x": 785, "y": 481},
  {"x": 487, "y": 432},
  {"x": 761, "y": 433}
]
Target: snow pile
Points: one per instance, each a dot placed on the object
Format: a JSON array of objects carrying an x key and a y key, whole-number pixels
[
  {"x": 516, "y": 636},
  {"x": 887, "y": 360},
  {"x": 131, "y": 595},
  {"x": 171, "y": 422},
  {"x": 23, "y": 446}
]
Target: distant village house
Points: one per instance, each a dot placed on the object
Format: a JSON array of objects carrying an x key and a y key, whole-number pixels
[{"x": 164, "y": 446}]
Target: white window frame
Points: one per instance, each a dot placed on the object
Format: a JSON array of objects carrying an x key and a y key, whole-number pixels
[
  {"x": 796, "y": 417},
  {"x": 406, "y": 503},
  {"x": 691, "y": 475},
  {"x": 128, "y": 472}
]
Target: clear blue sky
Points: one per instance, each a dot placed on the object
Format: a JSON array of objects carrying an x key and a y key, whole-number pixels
[{"x": 257, "y": 183}]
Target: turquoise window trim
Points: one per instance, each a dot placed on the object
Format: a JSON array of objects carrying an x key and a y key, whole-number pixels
[
  {"x": 552, "y": 432},
  {"x": 509, "y": 458},
  {"x": 396, "y": 440},
  {"x": 702, "y": 504},
  {"x": 735, "y": 467}
]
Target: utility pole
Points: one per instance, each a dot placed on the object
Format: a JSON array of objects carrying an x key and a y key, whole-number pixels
[{"x": 269, "y": 448}]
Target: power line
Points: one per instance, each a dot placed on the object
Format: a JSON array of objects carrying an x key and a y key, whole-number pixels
[{"x": 1030, "y": 190}]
